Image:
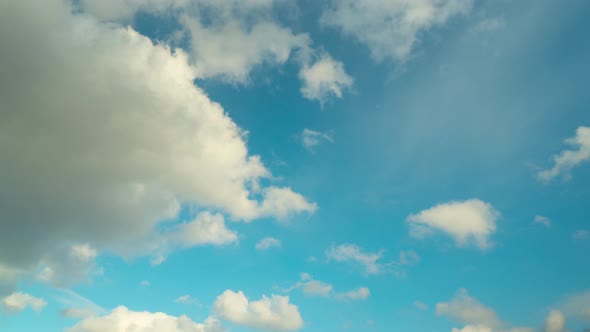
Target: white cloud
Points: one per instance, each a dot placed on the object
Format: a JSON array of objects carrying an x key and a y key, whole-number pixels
[
  {"x": 391, "y": 29},
  {"x": 144, "y": 283},
  {"x": 565, "y": 161},
  {"x": 206, "y": 228},
  {"x": 468, "y": 310},
  {"x": 185, "y": 299},
  {"x": 361, "y": 293},
  {"x": 471, "y": 220},
  {"x": 353, "y": 253},
  {"x": 371, "y": 262},
  {"x": 312, "y": 287},
  {"x": 477, "y": 316},
  {"x": 281, "y": 203},
  {"x": 126, "y": 138},
  {"x": 473, "y": 328},
  {"x": 311, "y": 138},
  {"x": 483, "y": 328},
  {"x": 543, "y": 221},
  {"x": 231, "y": 50},
  {"x": 238, "y": 37},
  {"x": 324, "y": 78},
  {"x": 273, "y": 314},
  {"x": 267, "y": 243},
  {"x": 581, "y": 234},
  {"x": 555, "y": 322},
  {"x": 122, "y": 319},
  {"x": 17, "y": 302},
  {"x": 316, "y": 287}
]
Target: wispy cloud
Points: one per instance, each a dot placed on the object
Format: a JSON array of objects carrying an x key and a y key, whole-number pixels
[
  {"x": 311, "y": 139},
  {"x": 566, "y": 160}
]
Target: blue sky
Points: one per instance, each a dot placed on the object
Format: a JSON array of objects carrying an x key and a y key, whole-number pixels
[{"x": 269, "y": 165}]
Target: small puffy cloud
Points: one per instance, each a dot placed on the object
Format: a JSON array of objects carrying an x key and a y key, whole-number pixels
[
  {"x": 391, "y": 29},
  {"x": 205, "y": 228},
  {"x": 467, "y": 309},
  {"x": 565, "y": 161},
  {"x": 420, "y": 305},
  {"x": 355, "y": 254},
  {"x": 122, "y": 319},
  {"x": 466, "y": 221},
  {"x": 311, "y": 138},
  {"x": 144, "y": 283},
  {"x": 185, "y": 299},
  {"x": 272, "y": 314},
  {"x": 316, "y": 287},
  {"x": 473, "y": 328},
  {"x": 324, "y": 78},
  {"x": 361, "y": 293},
  {"x": 267, "y": 243},
  {"x": 555, "y": 322},
  {"x": 542, "y": 220},
  {"x": 581, "y": 234},
  {"x": 281, "y": 203},
  {"x": 312, "y": 287},
  {"x": 17, "y": 302}
]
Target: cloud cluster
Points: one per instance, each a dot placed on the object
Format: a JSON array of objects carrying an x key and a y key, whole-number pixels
[
  {"x": 273, "y": 314},
  {"x": 229, "y": 39},
  {"x": 311, "y": 138},
  {"x": 103, "y": 135},
  {"x": 391, "y": 29},
  {"x": 122, "y": 319},
  {"x": 18, "y": 301},
  {"x": 324, "y": 78},
  {"x": 353, "y": 253},
  {"x": 470, "y": 221},
  {"x": 370, "y": 262}
]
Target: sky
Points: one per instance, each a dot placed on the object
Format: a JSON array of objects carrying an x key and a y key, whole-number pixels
[{"x": 294, "y": 165}]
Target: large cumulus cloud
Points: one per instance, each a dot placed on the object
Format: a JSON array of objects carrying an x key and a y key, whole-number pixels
[{"x": 103, "y": 135}]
